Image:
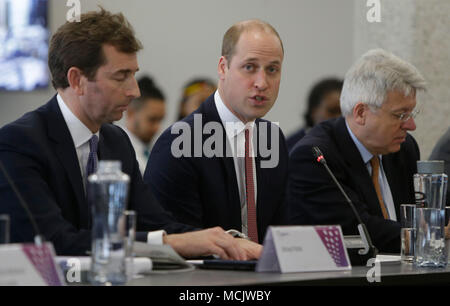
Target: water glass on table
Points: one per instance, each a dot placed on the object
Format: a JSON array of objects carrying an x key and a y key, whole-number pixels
[
  {"x": 408, "y": 232},
  {"x": 429, "y": 250},
  {"x": 127, "y": 228}
]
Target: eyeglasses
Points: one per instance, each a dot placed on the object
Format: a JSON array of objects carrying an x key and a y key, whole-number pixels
[{"x": 403, "y": 117}]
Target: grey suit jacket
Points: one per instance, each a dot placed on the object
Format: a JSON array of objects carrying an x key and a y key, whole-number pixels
[{"x": 442, "y": 152}]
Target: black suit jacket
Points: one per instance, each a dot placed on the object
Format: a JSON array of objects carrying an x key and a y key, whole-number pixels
[
  {"x": 313, "y": 198},
  {"x": 292, "y": 139},
  {"x": 38, "y": 152},
  {"x": 203, "y": 192}
]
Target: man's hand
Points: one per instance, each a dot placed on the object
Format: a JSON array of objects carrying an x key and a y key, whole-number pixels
[
  {"x": 212, "y": 241},
  {"x": 252, "y": 249}
]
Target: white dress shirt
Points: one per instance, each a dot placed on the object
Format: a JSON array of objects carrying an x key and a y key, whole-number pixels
[
  {"x": 80, "y": 136},
  {"x": 139, "y": 148},
  {"x": 235, "y": 131},
  {"x": 384, "y": 185}
]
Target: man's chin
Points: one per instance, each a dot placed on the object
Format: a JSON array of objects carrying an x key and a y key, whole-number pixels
[
  {"x": 259, "y": 113},
  {"x": 115, "y": 117},
  {"x": 394, "y": 148}
]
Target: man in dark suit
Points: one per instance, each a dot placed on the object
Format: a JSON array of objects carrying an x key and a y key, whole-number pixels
[
  {"x": 229, "y": 186},
  {"x": 48, "y": 152},
  {"x": 377, "y": 102}
]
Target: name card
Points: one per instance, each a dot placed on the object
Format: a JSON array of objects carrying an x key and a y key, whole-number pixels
[
  {"x": 28, "y": 265},
  {"x": 303, "y": 249}
]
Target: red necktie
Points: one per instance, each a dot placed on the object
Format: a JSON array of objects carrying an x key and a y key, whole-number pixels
[{"x": 250, "y": 191}]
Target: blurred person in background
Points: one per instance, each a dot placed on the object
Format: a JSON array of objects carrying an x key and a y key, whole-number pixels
[
  {"x": 323, "y": 104},
  {"x": 143, "y": 119},
  {"x": 194, "y": 93}
]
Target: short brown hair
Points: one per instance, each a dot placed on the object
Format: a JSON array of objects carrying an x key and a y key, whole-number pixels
[
  {"x": 79, "y": 44},
  {"x": 231, "y": 37}
]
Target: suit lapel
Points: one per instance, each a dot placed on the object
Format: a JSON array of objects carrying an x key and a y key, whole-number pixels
[
  {"x": 67, "y": 156},
  {"x": 261, "y": 179},
  {"x": 209, "y": 110},
  {"x": 104, "y": 151},
  {"x": 355, "y": 163}
]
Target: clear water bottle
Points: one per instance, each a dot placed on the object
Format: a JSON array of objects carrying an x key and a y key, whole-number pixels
[
  {"x": 107, "y": 195},
  {"x": 430, "y": 186}
]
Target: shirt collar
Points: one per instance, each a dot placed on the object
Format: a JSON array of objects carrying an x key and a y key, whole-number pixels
[
  {"x": 79, "y": 132},
  {"x": 365, "y": 154},
  {"x": 233, "y": 125}
]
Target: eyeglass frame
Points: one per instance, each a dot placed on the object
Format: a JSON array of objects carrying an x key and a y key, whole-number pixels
[{"x": 403, "y": 117}]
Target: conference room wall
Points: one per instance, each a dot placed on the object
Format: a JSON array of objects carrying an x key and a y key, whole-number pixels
[
  {"x": 322, "y": 38},
  {"x": 182, "y": 39},
  {"x": 418, "y": 31}
]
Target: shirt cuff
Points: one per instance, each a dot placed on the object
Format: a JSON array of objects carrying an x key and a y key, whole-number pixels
[{"x": 156, "y": 237}]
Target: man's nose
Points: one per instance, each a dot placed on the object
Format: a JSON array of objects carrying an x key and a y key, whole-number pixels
[
  {"x": 261, "y": 80},
  {"x": 133, "y": 91},
  {"x": 409, "y": 124}
]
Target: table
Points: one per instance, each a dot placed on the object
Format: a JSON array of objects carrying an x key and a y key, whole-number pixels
[{"x": 390, "y": 274}]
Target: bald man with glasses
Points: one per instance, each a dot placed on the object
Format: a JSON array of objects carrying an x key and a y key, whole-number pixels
[{"x": 368, "y": 149}]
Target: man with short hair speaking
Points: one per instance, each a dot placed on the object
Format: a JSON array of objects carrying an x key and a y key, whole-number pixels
[
  {"x": 369, "y": 150},
  {"x": 231, "y": 170},
  {"x": 48, "y": 152}
]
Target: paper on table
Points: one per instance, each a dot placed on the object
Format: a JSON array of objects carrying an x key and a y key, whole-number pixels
[
  {"x": 141, "y": 265},
  {"x": 388, "y": 259}
]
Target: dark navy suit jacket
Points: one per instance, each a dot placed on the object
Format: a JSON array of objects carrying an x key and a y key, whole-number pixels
[
  {"x": 203, "y": 191},
  {"x": 38, "y": 152},
  {"x": 292, "y": 139},
  {"x": 313, "y": 198}
]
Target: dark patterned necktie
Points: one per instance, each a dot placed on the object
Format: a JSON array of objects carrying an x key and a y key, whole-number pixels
[
  {"x": 91, "y": 166},
  {"x": 146, "y": 152},
  {"x": 250, "y": 191}
]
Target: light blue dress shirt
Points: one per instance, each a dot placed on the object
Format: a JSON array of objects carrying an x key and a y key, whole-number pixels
[{"x": 384, "y": 185}]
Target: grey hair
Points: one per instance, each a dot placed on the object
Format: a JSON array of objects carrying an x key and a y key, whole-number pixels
[{"x": 373, "y": 75}]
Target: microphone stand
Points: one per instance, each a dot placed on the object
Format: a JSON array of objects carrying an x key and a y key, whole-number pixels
[
  {"x": 37, "y": 238},
  {"x": 369, "y": 250}
]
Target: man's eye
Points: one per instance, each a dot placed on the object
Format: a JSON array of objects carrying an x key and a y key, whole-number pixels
[
  {"x": 248, "y": 67},
  {"x": 121, "y": 77},
  {"x": 272, "y": 69}
]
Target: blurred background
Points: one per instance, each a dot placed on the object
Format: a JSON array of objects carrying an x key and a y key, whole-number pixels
[{"x": 182, "y": 41}]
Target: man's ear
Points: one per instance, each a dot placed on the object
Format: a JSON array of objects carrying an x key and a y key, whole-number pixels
[
  {"x": 76, "y": 80},
  {"x": 360, "y": 113},
  {"x": 223, "y": 65}
]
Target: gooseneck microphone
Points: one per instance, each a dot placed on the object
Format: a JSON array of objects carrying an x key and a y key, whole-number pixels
[
  {"x": 370, "y": 250},
  {"x": 37, "y": 238}
]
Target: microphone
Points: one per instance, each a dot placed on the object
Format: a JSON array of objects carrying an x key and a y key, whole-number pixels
[
  {"x": 369, "y": 251},
  {"x": 37, "y": 238}
]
